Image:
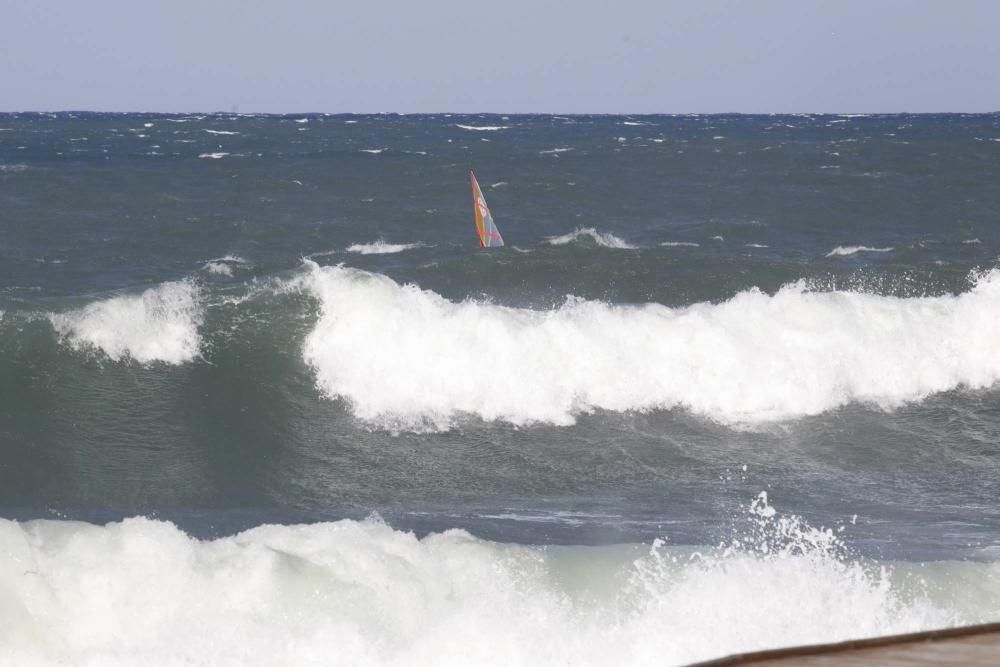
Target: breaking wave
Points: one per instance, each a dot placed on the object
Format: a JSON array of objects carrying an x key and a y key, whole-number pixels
[
  {"x": 406, "y": 358},
  {"x": 606, "y": 240},
  {"x": 346, "y": 593},
  {"x": 161, "y": 324}
]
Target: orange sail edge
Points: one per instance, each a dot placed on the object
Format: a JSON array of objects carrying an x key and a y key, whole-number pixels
[{"x": 486, "y": 229}]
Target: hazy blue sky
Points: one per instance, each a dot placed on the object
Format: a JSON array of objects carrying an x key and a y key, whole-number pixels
[{"x": 629, "y": 56}]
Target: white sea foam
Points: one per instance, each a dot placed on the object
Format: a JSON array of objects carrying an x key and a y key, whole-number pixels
[
  {"x": 846, "y": 251},
  {"x": 555, "y": 151},
  {"x": 223, "y": 266},
  {"x": 220, "y": 132},
  {"x": 680, "y": 244},
  {"x": 141, "y": 592},
  {"x": 972, "y": 241},
  {"x": 603, "y": 239},
  {"x": 218, "y": 268},
  {"x": 406, "y": 358},
  {"x": 236, "y": 259},
  {"x": 11, "y": 168},
  {"x": 161, "y": 324},
  {"x": 483, "y": 128},
  {"x": 372, "y": 151},
  {"x": 213, "y": 156},
  {"x": 380, "y": 247},
  {"x": 756, "y": 245}
]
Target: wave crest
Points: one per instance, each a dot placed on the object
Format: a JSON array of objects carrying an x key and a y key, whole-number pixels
[
  {"x": 846, "y": 251},
  {"x": 380, "y": 247},
  {"x": 143, "y": 592},
  {"x": 603, "y": 239},
  {"x": 161, "y": 324},
  {"x": 406, "y": 358}
]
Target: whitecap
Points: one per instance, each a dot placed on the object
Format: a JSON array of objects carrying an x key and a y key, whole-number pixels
[
  {"x": 213, "y": 156},
  {"x": 846, "y": 251},
  {"x": 143, "y": 592},
  {"x": 604, "y": 239},
  {"x": 380, "y": 247},
  {"x": 161, "y": 324},
  {"x": 483, "y": 128},
  {"x": 218, "y": 269},
  {"x": 406, "y": 358}
]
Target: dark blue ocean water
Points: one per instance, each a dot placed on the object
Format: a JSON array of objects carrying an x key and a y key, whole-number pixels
[{"x": 224, "y": 321}]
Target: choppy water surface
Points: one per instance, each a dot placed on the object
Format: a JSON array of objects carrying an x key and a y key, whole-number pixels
[{"x": 338, "y": 432}]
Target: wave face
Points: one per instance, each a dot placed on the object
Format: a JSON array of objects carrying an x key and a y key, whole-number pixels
[
  {"x": 348, "y": 593},
  {"x": 408, "y": 358},
  {"x": 161, "y": 324}
]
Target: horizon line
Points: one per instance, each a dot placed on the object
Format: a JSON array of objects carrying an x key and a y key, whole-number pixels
[{"x": 238, "y": 112}]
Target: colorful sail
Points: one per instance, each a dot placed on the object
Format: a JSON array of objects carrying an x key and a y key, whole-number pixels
[{"x": 489, "y": 235}]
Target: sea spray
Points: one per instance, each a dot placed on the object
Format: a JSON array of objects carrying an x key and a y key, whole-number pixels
[
  {"x": 349, "y": 592},
  {"x": 161, "y": 324}
]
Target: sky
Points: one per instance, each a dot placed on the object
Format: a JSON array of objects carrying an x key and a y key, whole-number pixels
[{"x": 517, "y": 56}]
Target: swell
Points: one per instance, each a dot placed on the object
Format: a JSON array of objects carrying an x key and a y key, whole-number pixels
[{"x": 406, "y": 358}]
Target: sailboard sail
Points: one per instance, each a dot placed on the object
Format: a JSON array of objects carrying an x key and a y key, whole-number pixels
[{"x": 489, "y": 235}]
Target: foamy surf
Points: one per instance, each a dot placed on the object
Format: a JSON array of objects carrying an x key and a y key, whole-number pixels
[
  {"x": 349, "y": 593},
  {"x": 603, "y": 239},
  {"x": 406, "y": 358},
  {"x": 161, "y": 324}
]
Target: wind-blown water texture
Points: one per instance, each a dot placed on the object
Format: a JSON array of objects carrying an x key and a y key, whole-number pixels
[
  {"x": 258, "y": 330},
  {"x": 407, "y": 357},
  {"x": 350, "y": 593}
]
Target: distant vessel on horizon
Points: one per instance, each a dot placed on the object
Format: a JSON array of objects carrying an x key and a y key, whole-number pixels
[{"x": 489, "y": 235}]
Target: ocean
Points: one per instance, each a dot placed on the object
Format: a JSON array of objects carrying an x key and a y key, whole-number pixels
[{"x": 730, "y": 385}]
